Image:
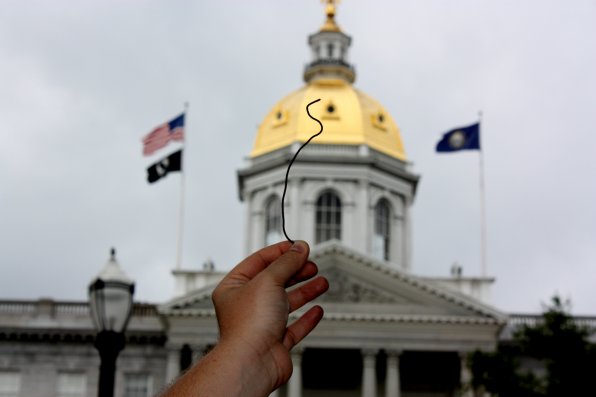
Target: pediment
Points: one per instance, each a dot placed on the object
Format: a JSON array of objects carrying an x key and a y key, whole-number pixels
[
  {"x": 362, "y": 287},
  {"x": 345, "y": 288}
]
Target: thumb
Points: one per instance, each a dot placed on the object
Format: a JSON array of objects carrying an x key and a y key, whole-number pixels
[{"x": 286, "y": 266}]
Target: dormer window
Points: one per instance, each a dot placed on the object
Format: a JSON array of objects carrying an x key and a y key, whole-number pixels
[{"x": 280, "y": 117}]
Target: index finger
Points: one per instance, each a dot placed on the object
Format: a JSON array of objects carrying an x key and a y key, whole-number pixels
[{"x": 258, "y": 261}]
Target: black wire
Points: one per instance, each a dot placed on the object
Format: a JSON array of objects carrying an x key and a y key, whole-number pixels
[{"x": 283, "y": 217}]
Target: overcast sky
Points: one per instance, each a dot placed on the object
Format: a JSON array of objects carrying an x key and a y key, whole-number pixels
[{"x": 82, "y": 82}]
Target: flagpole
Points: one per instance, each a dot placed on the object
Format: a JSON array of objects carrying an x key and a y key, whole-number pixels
[
  {"x": 182, "y": 194},
  {"x": 482, "y": 203}
]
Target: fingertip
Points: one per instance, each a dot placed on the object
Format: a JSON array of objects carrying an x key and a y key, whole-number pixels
[
  {"x": 303, "y": 326},
  {"x": 324, "y": 284},
  {"x": 299, "y": 246},
  {"x": 318, "y": 309},
  {"x": 315, "y": 315}
]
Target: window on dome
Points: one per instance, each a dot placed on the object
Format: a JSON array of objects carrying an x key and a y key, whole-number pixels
[
  {"x": 330, "y": 50},
  {"x": 280, "y": 117},
  {"x": 273, "y": 221},
  {"x": 382, "y": 230},
  {"x": 331, "y": 112},
  {"x": 328, "y": 217},
  {"x": 378, "y": 120}
]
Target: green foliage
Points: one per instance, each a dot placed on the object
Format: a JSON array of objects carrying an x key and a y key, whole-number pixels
[
  {"x": 552, "y": 358},
  {"x": 499, "y": 374}
]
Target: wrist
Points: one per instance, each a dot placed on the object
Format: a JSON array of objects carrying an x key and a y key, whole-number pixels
[{"x": 248, "y": 372}]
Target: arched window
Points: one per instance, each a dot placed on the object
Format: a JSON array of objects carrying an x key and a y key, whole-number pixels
[
  {"x": 382, "y": 230},
  {"x": 273, "y": 221},
  {"x": 328, "y": 217}
]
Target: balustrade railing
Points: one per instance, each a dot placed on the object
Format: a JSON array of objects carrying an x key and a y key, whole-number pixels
[{"x": 15, "y": 307}]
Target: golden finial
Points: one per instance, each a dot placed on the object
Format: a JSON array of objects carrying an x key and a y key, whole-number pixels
[{"x": 330, "y": 25}]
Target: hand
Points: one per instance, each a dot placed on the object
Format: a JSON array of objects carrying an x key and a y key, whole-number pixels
[
  {"x": 252, "y": 307},
  {"x": 252, "y": 357}
]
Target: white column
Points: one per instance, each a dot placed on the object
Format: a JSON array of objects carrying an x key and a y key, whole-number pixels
[
  {"x": 363, "y": 219},
  {"x": 173, "y": 364},
  {"x": 392, "y": 387},
  {"x": 248, "y": 239},
  {"x": 350, "y": 229},
  {"x": 295, "y": 383},
  {"x": 369, "y": 373},
  {"x": 294, "y": 228},
  {"x": 258, "y": 229},
  {"x": 306, "y": 215},
  {"x": 407, "y": 234},
  {"x": 465, "y": 377}
]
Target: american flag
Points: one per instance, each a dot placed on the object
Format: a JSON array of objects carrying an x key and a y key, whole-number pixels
[{"x": 171, "y": 131}]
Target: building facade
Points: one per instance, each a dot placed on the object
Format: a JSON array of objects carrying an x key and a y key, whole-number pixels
[
  {"x": 386, "y": 331},
  {"x": 47, "y": 349}
]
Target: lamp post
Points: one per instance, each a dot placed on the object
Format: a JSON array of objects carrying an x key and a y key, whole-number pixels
[{"x": 110, "y": 304}]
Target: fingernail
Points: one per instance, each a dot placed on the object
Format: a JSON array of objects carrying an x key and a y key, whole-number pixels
[{"x": 297, "y": 247}]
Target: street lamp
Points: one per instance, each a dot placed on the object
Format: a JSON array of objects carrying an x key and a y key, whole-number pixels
[{"x": 110, "y": 304}]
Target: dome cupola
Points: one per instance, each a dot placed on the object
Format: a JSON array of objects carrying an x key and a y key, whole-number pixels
[
  {"x": 352, "y": 184},
  {"x": 349, "y": 116},
  {"x": 329, "y": 49}
]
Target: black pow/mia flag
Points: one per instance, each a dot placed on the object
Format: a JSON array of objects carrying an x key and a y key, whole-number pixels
[{"x": 168, "y": 164}]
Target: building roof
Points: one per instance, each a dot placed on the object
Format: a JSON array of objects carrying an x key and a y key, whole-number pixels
[{"x": 349, "y": 117}]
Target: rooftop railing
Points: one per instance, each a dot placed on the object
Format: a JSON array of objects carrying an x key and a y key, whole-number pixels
[{"x": 64, "y": 308}]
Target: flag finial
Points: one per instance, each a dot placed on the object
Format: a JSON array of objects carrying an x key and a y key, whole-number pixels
[{"x": 330, "y": 25}]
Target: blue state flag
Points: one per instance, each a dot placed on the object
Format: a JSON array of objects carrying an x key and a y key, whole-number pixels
[{"x": 464, "y": 138}]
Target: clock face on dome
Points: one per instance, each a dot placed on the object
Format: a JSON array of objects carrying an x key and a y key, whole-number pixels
[{"x": 457, "y": 140}]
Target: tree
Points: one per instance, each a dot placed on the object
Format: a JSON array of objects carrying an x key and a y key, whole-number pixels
[{"x": 552, "y": 358}]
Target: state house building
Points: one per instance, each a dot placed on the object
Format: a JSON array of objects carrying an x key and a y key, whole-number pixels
[{"x": 386, "y": 331}]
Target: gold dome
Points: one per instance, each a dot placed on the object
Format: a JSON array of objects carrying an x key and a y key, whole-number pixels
[{"x": 349, "y": 117}]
